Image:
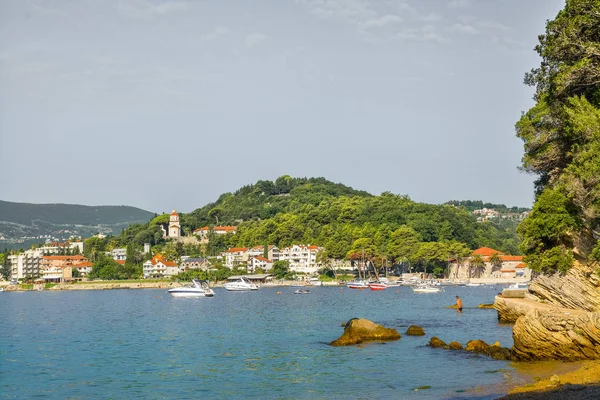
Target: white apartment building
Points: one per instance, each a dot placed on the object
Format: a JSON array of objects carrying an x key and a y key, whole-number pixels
[
  {"x": 272, "y": 252},
  {"x": 302, "y": 259},
  {"x": 26, "y": 264},
  {"x": 257, "y": 262},
  {"x": 118, "y": 254}
]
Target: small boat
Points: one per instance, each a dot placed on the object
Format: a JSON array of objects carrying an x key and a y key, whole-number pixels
[
  {"x": 516, "y": 290},
  {"x": 302, "y": 291},
  {"x": 241, "y": 284},
  {"x": 378, "y": 286},
  {"x": 472, "y": 284},
  {"x": 357, "y": 285},
  {"x": 426, "y": 289},
  {"x": 197, "y": 289}
]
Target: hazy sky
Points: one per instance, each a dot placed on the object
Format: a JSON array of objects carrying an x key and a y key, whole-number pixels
[{"x": 167, "y": 104}]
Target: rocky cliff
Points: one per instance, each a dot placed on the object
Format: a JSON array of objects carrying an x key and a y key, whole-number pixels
[
  {"x": 557, "y": 335},
  {"x": 579, "y": 288}
]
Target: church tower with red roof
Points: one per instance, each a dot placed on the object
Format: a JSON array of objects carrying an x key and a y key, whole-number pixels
[{"x": 174, "y": 228}]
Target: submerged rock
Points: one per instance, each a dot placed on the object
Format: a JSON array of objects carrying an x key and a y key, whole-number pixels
[
  {"x": 436, "y": 342},
  {"x": 455, "y": 346},
  {"x": 485, "y": 306},
  {"x": 415, "y": 330},
  {"x": 476, "y": 345},
  {"x": 361, "y": 330}
]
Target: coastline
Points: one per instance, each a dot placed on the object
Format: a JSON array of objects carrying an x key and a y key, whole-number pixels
[{"x": 549, "y": 380}]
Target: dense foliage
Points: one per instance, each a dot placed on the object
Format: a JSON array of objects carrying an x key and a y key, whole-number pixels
[
  {"x": 472, "y": 205},
  {"x": 561, "y": 136},
  {"x": 348, "y": 223}
]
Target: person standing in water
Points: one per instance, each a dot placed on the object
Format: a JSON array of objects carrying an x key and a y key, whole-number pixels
[{"x": 458, "y": 304}]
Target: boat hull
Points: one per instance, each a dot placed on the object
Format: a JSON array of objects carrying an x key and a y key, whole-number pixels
[{"x": 190, "y": 294}]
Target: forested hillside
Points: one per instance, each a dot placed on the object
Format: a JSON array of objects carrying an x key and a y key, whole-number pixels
[{"x": 344, "y": 221}]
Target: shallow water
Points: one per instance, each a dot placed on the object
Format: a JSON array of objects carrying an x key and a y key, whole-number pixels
[{"x": 145, "y": 344}]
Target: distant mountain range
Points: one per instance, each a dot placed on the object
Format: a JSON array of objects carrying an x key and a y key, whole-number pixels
[{"x": 22, "y": 224}]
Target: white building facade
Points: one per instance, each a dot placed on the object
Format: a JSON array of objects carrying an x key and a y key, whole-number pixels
[{"x": 302, "y": 259}]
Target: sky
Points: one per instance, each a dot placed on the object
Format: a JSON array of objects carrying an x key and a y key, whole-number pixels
[{"x": 167, "y": 104}]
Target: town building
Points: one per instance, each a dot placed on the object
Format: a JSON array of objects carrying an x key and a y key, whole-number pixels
[
  {"x": 272, "y": 252},
  {"x": 187, "y": 264},
  {"x": 301, "y": 258},
  {"x": 256, "y": 262},
  {"x": 203, "y": 232},
  {"x": 118, "y": 254},
  {"x": 59, "y": 268},
  {"x": 159, "y": 267},
  {"x": 508, "y": 267},
  {"x": 236, "y": 256}
]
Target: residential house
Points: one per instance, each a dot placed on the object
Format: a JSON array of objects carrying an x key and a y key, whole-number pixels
[
  {"x": 194, "y": 263},
  {"x": 118, "y": 254},
  {"x": 236, "y": 256},
  {"x": 159, "y": 267},
  {"x": 272, "y": 252},
  {"x": 257, "y": 262}
]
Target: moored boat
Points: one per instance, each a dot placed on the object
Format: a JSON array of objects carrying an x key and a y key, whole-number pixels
[
  {"x": 197, "y": 289},
  {"x": 302, "y": 291},
  {"x": 357, "y": 285},
  {"x": 426, "y": 289},
  {"x": 242, "y": 284}
]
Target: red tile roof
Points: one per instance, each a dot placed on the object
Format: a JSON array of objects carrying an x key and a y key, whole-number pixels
[
  {"x": 486, "y": 251},
  {"x": 511, "y": 258},
  {"x": 73, "y": 257},
  {"x": 237, "y": 249},
  {"x": 261, "y": 258},
  {"x": 227, "y": 229},
  {"x": 159, "y": 259},
  {"x": 507, "y": 270},
  {"x": 521, "y": 265},
  {"x": 122, "y": 262},
  {"x": 174, "y": 213}
]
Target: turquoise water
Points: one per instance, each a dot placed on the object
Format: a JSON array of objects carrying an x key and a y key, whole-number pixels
[{"x": 144, "y": 344}]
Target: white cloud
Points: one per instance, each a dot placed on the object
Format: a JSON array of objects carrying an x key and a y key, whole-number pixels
[
  {"x": 147, "y": 9},
  {"x": 255, "y": 39},
  {"x": 458, "y": 3},
  {"x": 464, "y": 28},
  {"x": 382, "y": 21},
  {"x": 215, "y": 34}
]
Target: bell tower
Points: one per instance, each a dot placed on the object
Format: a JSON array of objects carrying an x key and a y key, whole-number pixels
[{"x": 174, "y": 228}]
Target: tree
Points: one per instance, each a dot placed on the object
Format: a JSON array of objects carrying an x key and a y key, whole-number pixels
[
  {"x": 476, "y": 266},
  {"x": 216, "y": 213},
  {"x": 561, "y": 136},
  {"x": 281, "y": 268},
  {"x": 496, "y": 262},
  {"x": 6, "y": 267}
]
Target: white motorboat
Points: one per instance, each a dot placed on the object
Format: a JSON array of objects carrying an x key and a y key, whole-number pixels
[
  {"x": 473, "y": 284},
  {"x": 426, "y": 289},
  {"x": 516, "y": 290},
  {"x": 241, "y": 284},
  {"x": 302, "y": 291},
  {"x": 197, "y": 289}
]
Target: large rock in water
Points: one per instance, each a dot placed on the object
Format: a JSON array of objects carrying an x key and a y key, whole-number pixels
[
  {"x": 557, "y": 335},
  {"x": 579, "y": 288},
  {"x": 361, "y": 330},
  {"x": 510, "y": 310}
]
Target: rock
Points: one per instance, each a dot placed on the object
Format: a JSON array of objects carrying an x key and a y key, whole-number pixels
[
  {"x": 476, "y": 345},
  {"x": 485, "y": 306},
  {"x": 415, "y": 330},
  {"x": 455, "y": 346},
  {"x": 452, "y": 306},
  {"x": 360, "y": 330},
  {"x": 499, "y": 353},
  {"x": 510, "y": 311},
  {"x": 555, "y": 380},
  {"x": 557, "y": 334},
  {"x": 496, "y": 344},
  {"x": 436, "y": 342},
  {"x": 579, "y": 288}
]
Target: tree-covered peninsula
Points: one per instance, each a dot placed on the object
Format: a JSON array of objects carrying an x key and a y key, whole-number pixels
[{"x": 348, "y": 224}]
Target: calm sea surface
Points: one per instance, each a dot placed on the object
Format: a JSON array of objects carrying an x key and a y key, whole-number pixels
[{"x": 125, "y": 344}]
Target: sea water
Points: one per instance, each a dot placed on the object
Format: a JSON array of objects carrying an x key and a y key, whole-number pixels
[{"x": 267, "y": 344}]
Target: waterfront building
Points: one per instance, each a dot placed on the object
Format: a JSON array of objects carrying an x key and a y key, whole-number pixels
[
  {"x": 194, "y": 263},
  {"x": 257, "y": 262},
  {"x": 59, "y": 268},
  {"x": 159, "y": 267},
  {"x": 509, "y": 266},
  {"x": 302, "y": 259},
  {"x": 236, "y": 256},
  {"x": 272, "y": 252}
]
